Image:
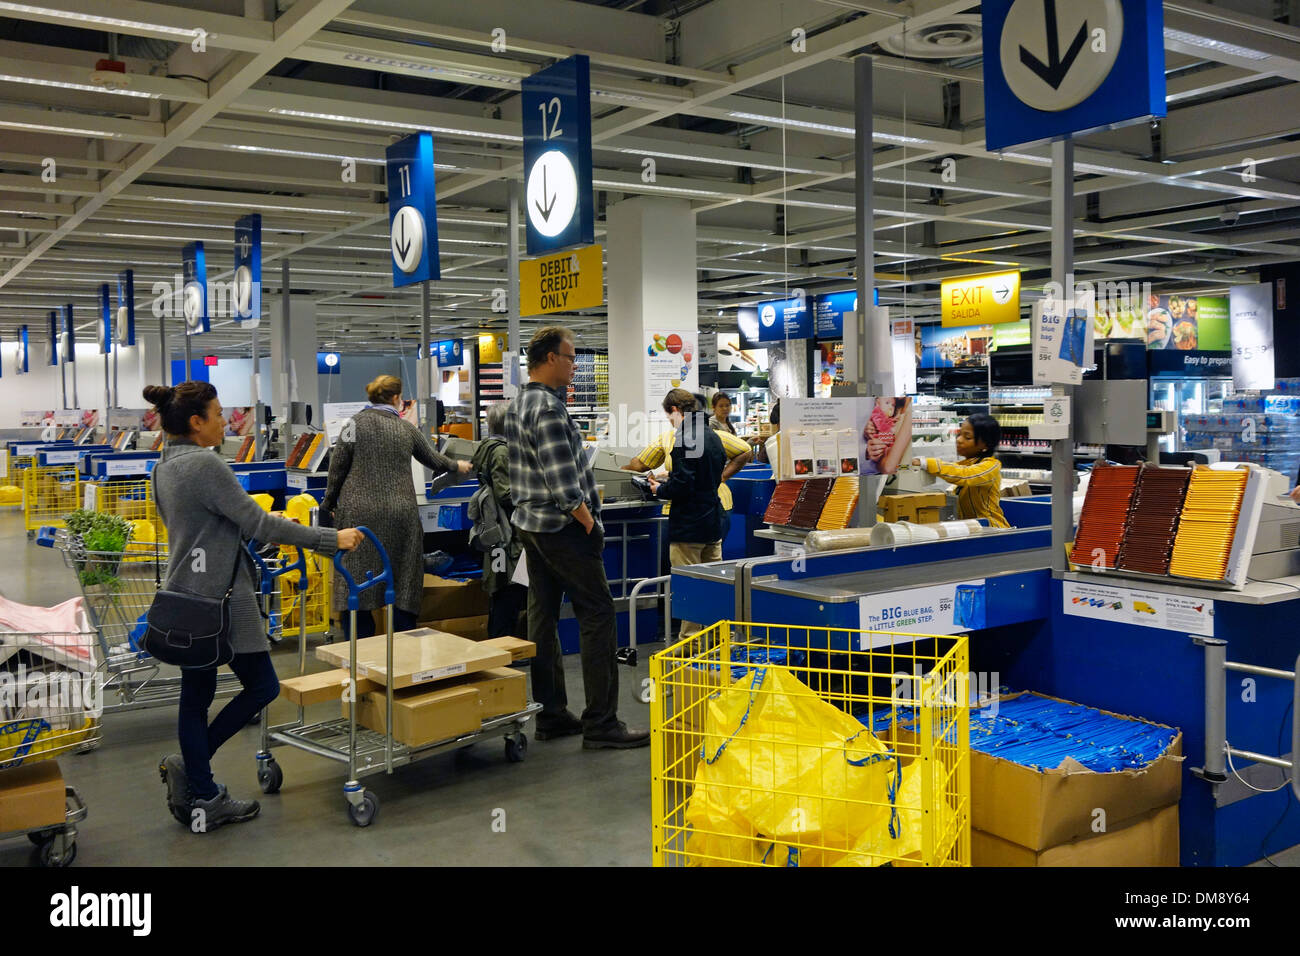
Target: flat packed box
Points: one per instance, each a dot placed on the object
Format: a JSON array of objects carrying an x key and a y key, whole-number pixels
[
  {"x": 423, "y": 718},
  {"x": 419, "y": 657},
  {"x": 445, "y": 599},
  {"x": 322, "y": 686},
  {"x": 501, "y": 691},
  {"x": 475, "y": 628},
  {"x": 519, "y": 648},
  {"x": 32, "y": 796},
  {"x": 1150, "y": 840},
  {"x": 1038, "y": 810}
]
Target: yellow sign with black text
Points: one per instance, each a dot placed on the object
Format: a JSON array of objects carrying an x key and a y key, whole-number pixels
[
  {"x": 564, "y": 282},
  {"x": 982, "y": 300}
]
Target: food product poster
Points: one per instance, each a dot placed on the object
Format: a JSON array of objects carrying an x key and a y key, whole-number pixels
[
  {"x": 1188, "y": 323},
  {"x": 870, "y": 435},
  {"x": 732, "y": 358},
  {"x": 961, "y": 347},
  {"x": 830, "y": 368},
  {"x": 672, "y": 361},
  {"x": 1119, "y": 317}
]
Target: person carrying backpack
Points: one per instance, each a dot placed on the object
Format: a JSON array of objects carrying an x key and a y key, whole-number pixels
[{"x": 490, "y": 509}]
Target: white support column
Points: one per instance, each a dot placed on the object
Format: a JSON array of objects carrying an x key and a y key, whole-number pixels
[
  {"x": 652, "y": 288},
  {"x": 293, "y": 361}
]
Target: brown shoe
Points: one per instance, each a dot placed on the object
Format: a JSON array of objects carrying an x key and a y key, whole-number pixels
[{"x": 620, "y": 738}]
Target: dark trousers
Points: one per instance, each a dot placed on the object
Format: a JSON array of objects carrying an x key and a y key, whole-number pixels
[
  {"x": 199, "y": 740},
  {"x": 402, "y": 621},
  {"x": 570, "y": 561},
  {"x": 509, "y": 604}
]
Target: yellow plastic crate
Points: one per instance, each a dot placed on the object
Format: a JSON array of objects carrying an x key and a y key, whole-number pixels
[
  {"x": 761, "y": 752},
  {"x": 50, "y": 492}
]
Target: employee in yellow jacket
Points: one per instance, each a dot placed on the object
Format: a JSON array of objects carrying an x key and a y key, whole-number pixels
[{"x": 978, "y": 475}]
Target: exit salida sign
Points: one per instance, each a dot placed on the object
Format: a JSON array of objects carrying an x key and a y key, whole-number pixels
[{"x": 982, "y": 300}]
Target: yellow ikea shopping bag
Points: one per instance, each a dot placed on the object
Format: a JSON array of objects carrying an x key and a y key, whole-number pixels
[{"x": 786, "y": 778}]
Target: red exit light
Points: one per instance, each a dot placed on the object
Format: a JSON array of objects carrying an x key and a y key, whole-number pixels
[{"x": 209, "y": 360}]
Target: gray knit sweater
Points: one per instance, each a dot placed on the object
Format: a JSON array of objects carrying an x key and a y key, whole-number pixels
[{"x": 208, "y": 516}]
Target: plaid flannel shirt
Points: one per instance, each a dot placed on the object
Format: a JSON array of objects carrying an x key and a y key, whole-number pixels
[{"x": 549, "y": 474}]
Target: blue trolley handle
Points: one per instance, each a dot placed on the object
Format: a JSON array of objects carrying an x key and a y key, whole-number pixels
[
  {"x": 267, "y": 575},
  {"x": 384, "y": 577}
]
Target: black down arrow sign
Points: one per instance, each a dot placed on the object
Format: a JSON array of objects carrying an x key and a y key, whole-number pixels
[
  {"x": 550, "y": 200},
  {"x": 1054, "y": 71},
  {"x": 403, "y": 244}
]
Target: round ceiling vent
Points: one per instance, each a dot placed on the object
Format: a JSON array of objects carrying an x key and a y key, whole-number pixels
[{"x": 956, "y": 37}]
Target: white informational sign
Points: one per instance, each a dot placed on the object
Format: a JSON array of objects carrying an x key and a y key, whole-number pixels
[
  {"x": 1063, "y": 339},
  {"x": 940, "y": 609},
  {"x": 869, "y": 436},
  {"x": 337, "y": 414},
  {"x": 1056, "y": 419},
  {"x": 61, "y": 457},
  {"x": 672, "y": 360},
  {"x": 904, "y": 349},
  {"x": 296, "y": 481},
  {"x": 131, "y": 466},
  {"x": 1118, "y": 605},
  {"x": 88, "y": 497},
  {"x": 1250, "y": 316}
]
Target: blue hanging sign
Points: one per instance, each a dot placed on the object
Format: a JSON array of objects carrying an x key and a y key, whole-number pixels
[
  {"x": 328, "y": 363},
  {"x": 828, "y": 312},
  {"x": 52, "y": 347},
  {"x": 449, "y": 352},
  {"x": 22, "y": 349},
  {"x": 69, "y": 335},
  {"x": 124, "y": 327},
  {"x": 785, "y": 319},
  {"x": 194, "y": 267},
  {"x": 246, "y": 286},
  {"x": 412, "y": 210},
  {"x": 556, "y": 104},
  {"x": 1053, "y": 68},
  {"x": 104, "y": 327}
]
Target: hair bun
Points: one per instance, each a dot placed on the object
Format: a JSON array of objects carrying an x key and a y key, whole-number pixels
[{"x": 159, "y": 395}]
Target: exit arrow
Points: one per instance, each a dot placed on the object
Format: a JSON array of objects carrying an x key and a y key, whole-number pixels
[
  {"x": 550, "y": 200},
  {"x": 403, "y": 244},
  {"x": 1054, "y": 71}
]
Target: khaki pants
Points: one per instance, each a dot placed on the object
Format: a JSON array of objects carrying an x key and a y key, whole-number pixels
[{"x": 683, "y": 553}]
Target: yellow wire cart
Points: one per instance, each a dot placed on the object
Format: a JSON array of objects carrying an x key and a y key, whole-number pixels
[
  {"x": 803, "y": 746},
  {"x": 51, "y": 703}
]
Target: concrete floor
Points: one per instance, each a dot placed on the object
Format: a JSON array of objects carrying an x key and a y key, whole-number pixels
[{"x": 563, "y": 806}]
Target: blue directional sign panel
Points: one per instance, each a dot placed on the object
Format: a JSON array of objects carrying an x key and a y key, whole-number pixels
[
  {"x": 52, "y": 353},
  {"x": 328, "y": 363},
  {"x": 556, "y": 106},
  {"x": 69, "y": 335},
  {"x": 23, "y": 345},
  {"x": 449, "y": 352},
  {"x": 104, "y": 326},
  {"x": 194, "y": 301},
  {"x": 785, "y": 319},
  {"x": 412, "y": 210},
  {"x": 828, "y": 312},
  {"x": 124, "y": 328},
  {"x": 1053, "y": 68},
  {"x": 247, "y": 283}
]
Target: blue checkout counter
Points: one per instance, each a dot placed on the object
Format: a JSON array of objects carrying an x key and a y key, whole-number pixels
[{"x": 1025, "y": 625}]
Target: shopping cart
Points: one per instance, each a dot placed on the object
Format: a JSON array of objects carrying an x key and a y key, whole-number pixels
[
  {"x": 51, "y": 703},
  {"x": 118, "y": 588},
  {"x": 366, "y": 751}
]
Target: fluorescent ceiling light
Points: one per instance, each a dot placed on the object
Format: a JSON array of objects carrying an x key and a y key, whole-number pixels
[
  {"x": 785, "y": 121},
  {"x": 89, "y": 87},
  {"x": 1218, "y": 46},
  {"x": 299, "y": 152},
  {"x": 620, "y": 97},
  {"x": 372, "y": 60},
  {"x": 50, "y": 128},
  {"x": 103, "y": 21},
  {"x": 391, "y": 124},
  {"x": 896, "y": 138},
  {"x": 245, "y": 205},
  {"x": 775, "y": 167},
  {"x": 646, "y": 187}
]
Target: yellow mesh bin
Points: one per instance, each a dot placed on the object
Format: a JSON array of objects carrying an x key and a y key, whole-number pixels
[
  {"x": 316, "y": 600},
  {"x": 50, "y": 492},
  {"x": 133, "y": 501},
  {"x": 783, "y": 746}
]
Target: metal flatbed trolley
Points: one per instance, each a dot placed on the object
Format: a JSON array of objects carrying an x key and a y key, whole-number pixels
[{"x": 366, "y": 751}]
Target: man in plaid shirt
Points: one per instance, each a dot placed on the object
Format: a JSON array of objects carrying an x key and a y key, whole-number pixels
[{"x": 557, "y": 514}]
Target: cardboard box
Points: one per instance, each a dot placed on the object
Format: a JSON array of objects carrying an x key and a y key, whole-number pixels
[
  {"x": 519, "y": 648},
  {"x": 419, "y": 657},
  {"x": 321, "y": 687},
  {"x": 445, "y": 599},
  {"x": 422, "y": 718},
  {"x": 32, "y": 796},
  {"x": 918, "y": 507},
  {"x": 501, "y": 691},
  {"x": 474, "y": 628},
  {"x": 1041, "y": 810},
  {"x": 1149, "y": 840}
]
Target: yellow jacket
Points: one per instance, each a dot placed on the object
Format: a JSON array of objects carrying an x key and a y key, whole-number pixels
[{"x": 980, "y": 484}]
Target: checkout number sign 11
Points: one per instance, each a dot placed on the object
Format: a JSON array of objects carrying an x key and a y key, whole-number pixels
[{"x": 412, "y": 210}]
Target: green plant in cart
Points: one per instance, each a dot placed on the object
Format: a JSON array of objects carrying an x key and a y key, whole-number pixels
[{"x": 104, "y": 536}]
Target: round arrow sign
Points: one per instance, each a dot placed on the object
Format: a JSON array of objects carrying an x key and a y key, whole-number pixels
[
  {"x": 193, "y": 304},
  {"x": 122, "y": 316},
  {"x": 1056, "y": 54},
  {"x": 243, "y": 290},
  {"x": 552, "y": 193},
  {"x": 406, "y": 238}
]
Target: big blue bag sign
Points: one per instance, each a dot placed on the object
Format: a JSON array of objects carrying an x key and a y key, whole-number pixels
[
  {"x": 784, "y": 319},
  {"x": 556, "y": 105},
  {"x": 1057, "y": 67},
  {"x": 194, "y": 301},
  {"x": 247, "y": 288},
  {"x": 412, "y": 210},
  {"x": 124, "y": 325}
]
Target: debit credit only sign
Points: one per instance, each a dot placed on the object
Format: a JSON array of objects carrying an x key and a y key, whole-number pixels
[{"x": 564, "y": 282}]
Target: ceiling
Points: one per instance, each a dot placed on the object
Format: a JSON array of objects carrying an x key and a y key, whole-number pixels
[{"x": 233, "y": 106}]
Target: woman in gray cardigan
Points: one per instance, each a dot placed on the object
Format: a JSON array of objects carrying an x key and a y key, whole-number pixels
[
  {"x": 208, "y": 517},
  {"x": 370, "y": 484}
]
